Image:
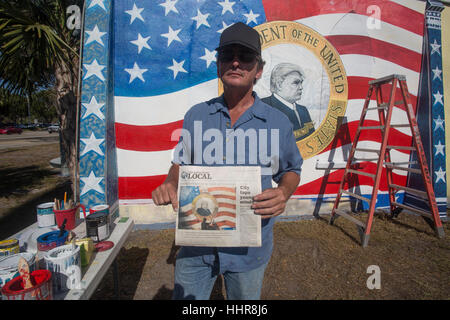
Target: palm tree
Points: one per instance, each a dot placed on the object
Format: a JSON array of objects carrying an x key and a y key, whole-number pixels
[{"x": 37, "y": 50}]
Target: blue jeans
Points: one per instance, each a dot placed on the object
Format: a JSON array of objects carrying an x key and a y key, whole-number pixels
[{"x": 194, "y": 280}]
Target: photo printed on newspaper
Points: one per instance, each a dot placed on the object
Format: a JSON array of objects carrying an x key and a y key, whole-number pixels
[{"x": 215, "y": 206}]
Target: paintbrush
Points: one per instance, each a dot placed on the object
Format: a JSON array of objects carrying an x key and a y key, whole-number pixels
[
  {"x": 63, "y": 226},
  {"x": 65, "y": 199},
  {"x": 24, "y": 270}
]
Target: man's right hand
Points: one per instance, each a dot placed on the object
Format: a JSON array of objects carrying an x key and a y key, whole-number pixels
[{"x": 166, "y": 194}]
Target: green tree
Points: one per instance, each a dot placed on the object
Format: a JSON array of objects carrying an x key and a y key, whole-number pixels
[{"x": 37, "y": 50}]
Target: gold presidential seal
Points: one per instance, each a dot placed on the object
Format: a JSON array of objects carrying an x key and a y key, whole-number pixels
[
  {"x": 205, "y": 207},
  {"x": 304, "y": 78}
]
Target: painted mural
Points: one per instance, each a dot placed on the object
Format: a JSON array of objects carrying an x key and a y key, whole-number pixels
[{"x": 145, "y": 63}]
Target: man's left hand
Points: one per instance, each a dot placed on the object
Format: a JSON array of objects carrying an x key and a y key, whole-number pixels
[{"x": 270, "y": 203}]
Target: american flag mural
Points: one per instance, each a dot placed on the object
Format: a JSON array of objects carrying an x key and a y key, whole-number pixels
[
  {"x": 162, "y": 61},
  {"x": 225, "y": 216}
]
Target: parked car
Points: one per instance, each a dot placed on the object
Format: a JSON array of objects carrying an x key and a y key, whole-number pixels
[
  {"x": 10, "y": 130},
  {"x": 53, "y": 128}
]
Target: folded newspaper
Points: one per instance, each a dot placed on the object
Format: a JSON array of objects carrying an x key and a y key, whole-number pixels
[{"x": 215, "y": 206}]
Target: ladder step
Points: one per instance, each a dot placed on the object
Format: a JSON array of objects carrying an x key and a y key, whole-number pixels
[
  {"x": 396, "y": 103},
  {"x": 371, "y": 128},
  {"x": 367, "y": 150},
  {"x": 349, "y": 217},
  {"x": 402, "y": 125},
  {"x": 378, "y": 108},
  {"x": 388, "y": 79},
  {"x": 362, "y": 173},
  {"x": 392, "y": 166},
  {"x": 421, "y": 212},
  {"x": 400, "y": 163},
  {"x": 401, "y": 148},
  {"x": 355, "y": 195},
  {"x": 419, "y": 193},
  {"x": 364, "y": 159}
]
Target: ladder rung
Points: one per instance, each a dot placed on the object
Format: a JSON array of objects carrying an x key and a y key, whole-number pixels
[
  {"x": 419, "y": 193},
  {"x": 356, "y": 195},
  {"x": 362, "y": 173},
  {"x": 367, "y": 150},
  {"x": 396, "y": 103},
  {"x": 382, "y": 106},
  {"x": 400, "y": 163},
  {"x": 392, "y": 166},
  {"x": 401, "y": 125},
  {"x": 349, "y": 217},
  {"x": 401, "y": 148},
  {"x": 371, "y": 128},
  {"x": 388, "y": 79},
  {"x": 364, "y": 159},
  {"x": 421, "y": 212}
]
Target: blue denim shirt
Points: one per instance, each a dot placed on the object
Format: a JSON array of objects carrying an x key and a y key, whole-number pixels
[{"x": 214, "y": 114}]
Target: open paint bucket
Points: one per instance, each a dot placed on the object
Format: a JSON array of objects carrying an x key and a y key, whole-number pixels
[
  {"x": 70, "y": 215},
  {"x": 52, "y": 239},
  {"x": 97, "y": 226},
  {"x": 9, "y": 264},
  {"x": 65, "y": 265},
  {"x": 41, "y": 287},
  {"x": 9, "y": 247},
  {"x": 45, "y": 215}
]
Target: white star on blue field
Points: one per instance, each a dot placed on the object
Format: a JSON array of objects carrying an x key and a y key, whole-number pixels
[{"x": 169, "y": 45}]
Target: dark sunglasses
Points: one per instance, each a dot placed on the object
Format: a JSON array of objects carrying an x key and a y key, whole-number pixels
[{"x": 243, "y": 56}]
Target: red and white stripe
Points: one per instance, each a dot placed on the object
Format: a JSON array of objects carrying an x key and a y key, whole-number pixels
[{"x": 146, "y": 126}]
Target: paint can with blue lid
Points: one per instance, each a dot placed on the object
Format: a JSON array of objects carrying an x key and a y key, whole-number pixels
[
  {"x": 45, "y": 215},
  {"x": 51, "y": 240},
  {"x": 97, "y": 226}
]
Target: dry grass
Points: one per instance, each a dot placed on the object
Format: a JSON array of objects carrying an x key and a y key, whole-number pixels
[{"x": 311, "y": 260}]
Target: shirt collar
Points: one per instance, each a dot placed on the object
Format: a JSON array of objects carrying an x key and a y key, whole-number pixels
[{"x": 256, "y": 109}]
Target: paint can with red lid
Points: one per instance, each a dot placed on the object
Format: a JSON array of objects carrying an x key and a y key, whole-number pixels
[{"x": 40, "y": 290}]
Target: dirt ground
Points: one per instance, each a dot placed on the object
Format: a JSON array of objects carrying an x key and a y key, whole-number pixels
[{"x": 311, "y": 260}]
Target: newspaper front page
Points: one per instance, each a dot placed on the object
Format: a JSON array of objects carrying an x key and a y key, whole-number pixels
[{"x": 215, "y": 206}]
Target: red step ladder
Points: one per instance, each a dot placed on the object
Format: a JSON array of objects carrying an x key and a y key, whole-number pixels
[{"x": 384, "y": 110}]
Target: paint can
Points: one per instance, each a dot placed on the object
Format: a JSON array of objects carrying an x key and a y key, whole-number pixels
[
  {"x": 65, "y": 265},
  {"x": 102, "y": 208},
  {"x": 50, "y": 240},
  {"x": 8, "y": 266},
  {"x": 97, "y": 226},
  {"x": 45, "y": 215},
  {"x": 41, "y": 290},
  {"x": 86, "y": 249},
  {"x": 9, "y": 247}
]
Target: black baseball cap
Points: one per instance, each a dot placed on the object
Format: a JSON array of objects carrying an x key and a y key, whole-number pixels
[{"x": 240, "y": 33}]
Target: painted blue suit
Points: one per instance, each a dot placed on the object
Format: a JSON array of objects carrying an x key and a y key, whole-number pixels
[{"x": 302, "y": 130}]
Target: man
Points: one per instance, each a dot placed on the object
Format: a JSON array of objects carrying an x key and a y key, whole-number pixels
[
  {"x": 239, "y": 66},
  {"x": 286, "y": 86}
]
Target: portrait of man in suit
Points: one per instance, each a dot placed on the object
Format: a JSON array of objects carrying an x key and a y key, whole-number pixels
[{"x": 286, "y": 85}]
